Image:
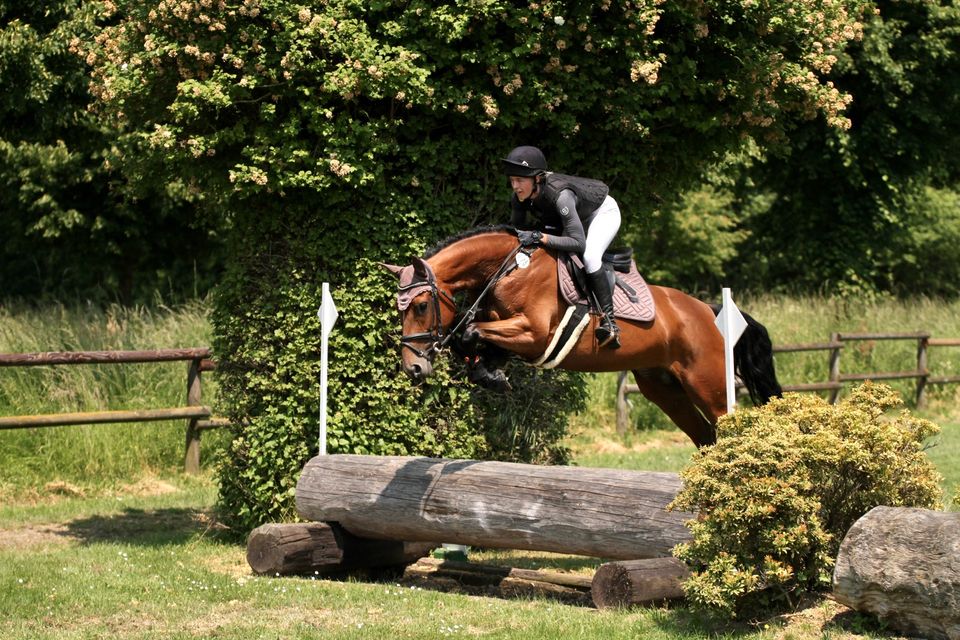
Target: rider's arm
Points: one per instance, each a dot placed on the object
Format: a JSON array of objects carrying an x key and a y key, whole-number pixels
[{"x": 573, "y": 238}]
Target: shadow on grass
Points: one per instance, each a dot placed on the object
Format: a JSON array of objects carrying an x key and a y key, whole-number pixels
[
  {"x": 148, "y": 527},
  {"x": 815, "y": 617}
]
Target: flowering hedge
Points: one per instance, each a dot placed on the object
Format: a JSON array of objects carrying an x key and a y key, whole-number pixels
[{"x": 340, "y": 133}]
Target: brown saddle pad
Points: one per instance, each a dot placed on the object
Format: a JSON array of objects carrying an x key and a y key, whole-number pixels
[{"x": 641, "y": 309}]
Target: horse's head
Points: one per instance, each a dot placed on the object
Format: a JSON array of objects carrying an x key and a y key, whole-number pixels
[{"x": 427, "y": 311}]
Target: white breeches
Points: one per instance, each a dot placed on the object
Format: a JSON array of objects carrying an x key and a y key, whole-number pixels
[{"x": 602, "y": 230}]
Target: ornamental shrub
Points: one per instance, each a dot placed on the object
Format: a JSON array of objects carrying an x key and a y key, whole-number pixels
[
  {"x": 784, "y": 483},
  {"x": 333, "y": 135}
]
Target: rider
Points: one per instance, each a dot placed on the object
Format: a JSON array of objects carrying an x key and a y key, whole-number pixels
[{"x": 572, "y": 214}]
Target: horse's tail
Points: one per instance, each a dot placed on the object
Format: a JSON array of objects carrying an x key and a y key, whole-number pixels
[{"x": 753, "y": 361}]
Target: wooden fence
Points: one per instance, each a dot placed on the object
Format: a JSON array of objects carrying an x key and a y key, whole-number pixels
[
  {"x": 835, "y": 379},
  {"x": 195, "y": 413}
]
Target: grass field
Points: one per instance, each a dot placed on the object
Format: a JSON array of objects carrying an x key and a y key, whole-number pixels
[
  {"x": 148, "y": 560},
  {"x": 101, "y": 536}
]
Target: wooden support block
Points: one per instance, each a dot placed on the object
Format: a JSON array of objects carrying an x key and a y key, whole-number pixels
[
  {"x": 628, "y": 583},
  {"x": 323, "y": 548}
]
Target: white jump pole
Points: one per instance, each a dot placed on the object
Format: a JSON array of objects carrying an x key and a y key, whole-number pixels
[
  {"x": 328, "y": 317},
  {"x": 731, "y": 324}
]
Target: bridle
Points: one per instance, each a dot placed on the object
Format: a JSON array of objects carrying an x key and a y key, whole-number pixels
[{"x": 436, "y": 337}]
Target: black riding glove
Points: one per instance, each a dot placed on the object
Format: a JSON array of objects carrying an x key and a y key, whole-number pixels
[{"x": 529, "y": 238}]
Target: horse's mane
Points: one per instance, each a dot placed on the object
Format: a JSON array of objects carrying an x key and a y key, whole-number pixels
[{"x": 469, "y": 233}]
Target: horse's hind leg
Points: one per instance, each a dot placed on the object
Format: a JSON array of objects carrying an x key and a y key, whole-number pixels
[{"x": 663, "y": 389}]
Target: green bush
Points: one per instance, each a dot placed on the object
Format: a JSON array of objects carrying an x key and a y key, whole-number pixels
[{"x": 784, "y": 483}]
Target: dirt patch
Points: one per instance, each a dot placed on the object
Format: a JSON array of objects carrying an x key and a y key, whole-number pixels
[
  {"x": 823, "y": 617},
  {"x": 148, "y": 487},
  {"x": 61, "y": 488},
  {"x": 30, "y": 538},
  {"x": 605, "y": 445},
  {"x": 235, "y": 615}
]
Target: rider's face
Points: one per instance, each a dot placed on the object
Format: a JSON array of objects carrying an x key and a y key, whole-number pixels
[{"x": 522, "y": 186}]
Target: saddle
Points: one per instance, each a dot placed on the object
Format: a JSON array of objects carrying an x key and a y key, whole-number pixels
[{"x": 632, "y": 299}]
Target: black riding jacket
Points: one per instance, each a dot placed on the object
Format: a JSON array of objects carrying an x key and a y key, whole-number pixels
[{"x": 563, "y": 207}]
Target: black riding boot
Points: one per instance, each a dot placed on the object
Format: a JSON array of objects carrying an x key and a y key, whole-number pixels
[{"x": 608, "y": 333}]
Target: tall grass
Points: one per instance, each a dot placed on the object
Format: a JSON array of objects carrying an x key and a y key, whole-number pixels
[
  {"x": 95, "y": 453},
  {"x": 813, "y": 319}
]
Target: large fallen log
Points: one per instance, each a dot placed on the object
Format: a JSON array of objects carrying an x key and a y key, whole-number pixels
[
  {"x": 475, "y": 578},
  {"x": 321, "y": 548},
  {"x": 628, "y": 583},
  {"x": 903, "y": 565},
  {"x": 605, "y": 513}
]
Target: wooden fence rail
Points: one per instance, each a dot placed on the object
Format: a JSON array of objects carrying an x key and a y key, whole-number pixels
[
  {"x": 197, "y": 416},
  {"x": 835, "y": 379}
]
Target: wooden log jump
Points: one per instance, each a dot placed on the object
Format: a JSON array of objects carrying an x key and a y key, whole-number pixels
[{"x": 604, "y": 513}]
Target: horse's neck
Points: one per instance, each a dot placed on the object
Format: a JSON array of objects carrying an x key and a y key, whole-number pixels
[{"x": 471, "y": 262}]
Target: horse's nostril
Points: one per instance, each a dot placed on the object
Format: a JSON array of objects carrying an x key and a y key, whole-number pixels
[{"x": 416, "y": 372}]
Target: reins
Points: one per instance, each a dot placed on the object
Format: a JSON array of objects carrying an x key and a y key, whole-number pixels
[{"x": 436, "y": 335}]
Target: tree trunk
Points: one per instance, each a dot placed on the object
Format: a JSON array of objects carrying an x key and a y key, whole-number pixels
[
  {"x": 637, "y": 582},
  {"x": 595, "y": 512},
  {"x": 321, "y": 548},
  {"x": 903, "y": 565}
]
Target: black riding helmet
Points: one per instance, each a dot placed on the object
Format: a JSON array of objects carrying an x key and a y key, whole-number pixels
[{"x": 525, "y": 161}]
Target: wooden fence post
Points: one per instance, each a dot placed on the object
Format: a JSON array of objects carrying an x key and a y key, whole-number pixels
[
  {"x": 835, "y": 366},
  {"x": 922, "y": 373},
  {"x": 191, "y": 458}
]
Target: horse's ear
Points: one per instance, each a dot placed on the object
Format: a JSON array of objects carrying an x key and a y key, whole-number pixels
[
  {"x": 392, "y": 268},
  {"x": 421, "y": 268}
]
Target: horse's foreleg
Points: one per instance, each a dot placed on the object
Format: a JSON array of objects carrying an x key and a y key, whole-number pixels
[{"x": 512, "y": 333}]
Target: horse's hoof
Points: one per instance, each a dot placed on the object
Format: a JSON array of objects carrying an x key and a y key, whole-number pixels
[
  {"x": 495, "y": 380},
  {"x": 499, "y": 382}
]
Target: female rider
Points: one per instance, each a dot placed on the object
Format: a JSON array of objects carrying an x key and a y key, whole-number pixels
[{"x": 571, "y": 214}]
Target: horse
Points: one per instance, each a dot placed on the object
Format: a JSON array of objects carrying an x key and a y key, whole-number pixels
[{"x": 677, "y": 358}]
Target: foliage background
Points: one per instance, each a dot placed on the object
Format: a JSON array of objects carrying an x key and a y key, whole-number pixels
[{"x": 71, "y": 224}]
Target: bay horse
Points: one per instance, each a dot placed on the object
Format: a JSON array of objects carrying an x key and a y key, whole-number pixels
[{"x": 677, "y": 358}]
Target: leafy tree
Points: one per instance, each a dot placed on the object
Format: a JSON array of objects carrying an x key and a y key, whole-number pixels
[
  {"x": 70, "y": 224},
  {"x": 333, "y": 135},
  {"x": 841, "y": 206}
]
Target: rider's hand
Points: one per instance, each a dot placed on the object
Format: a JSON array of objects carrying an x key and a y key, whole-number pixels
[{"x": 529, "y": 238}]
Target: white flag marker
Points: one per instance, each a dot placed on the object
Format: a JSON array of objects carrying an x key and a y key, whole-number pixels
[
  {"x": 328, "y": 317},
  {"x": 732, "y": 325}
]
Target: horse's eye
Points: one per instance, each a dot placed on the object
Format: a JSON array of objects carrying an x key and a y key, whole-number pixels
[{"x": 421, "y": 308}]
